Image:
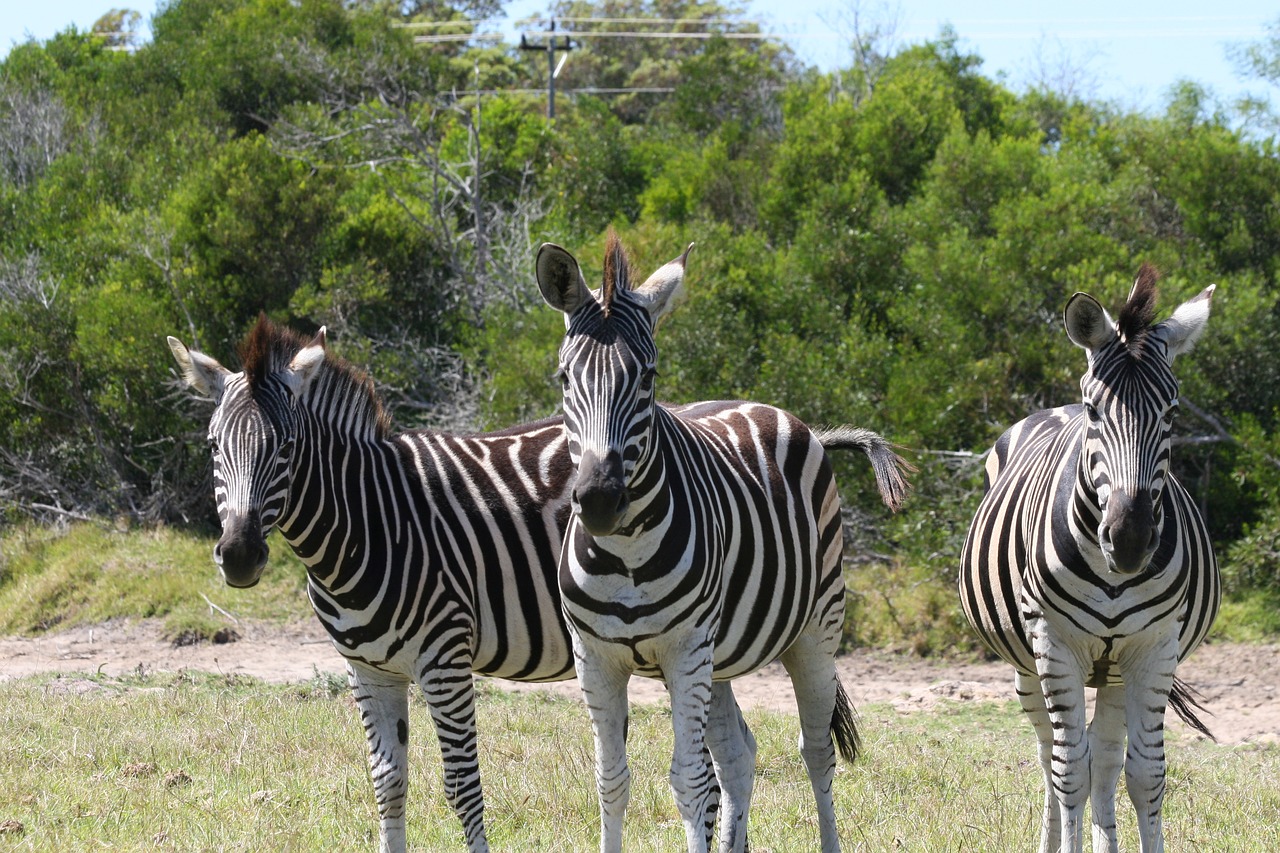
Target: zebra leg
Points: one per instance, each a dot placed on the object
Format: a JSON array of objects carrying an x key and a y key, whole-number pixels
[
  {"x": 713, "y": 802},
  {"x": 733, "y": 749},
  {"x": 604, "y": 690},
  {"x": 1106, "y": 759},
  {"x": 692, "y": 780},
  {"x": 1062, "y": 683},
  {"x": 811, "y": 665},
  {"x": 383, "y": 701},
  {"x": 1031, "y": 697},
  {"x": 450, "y": 695},
  {"x": 1146, "y": 698}
]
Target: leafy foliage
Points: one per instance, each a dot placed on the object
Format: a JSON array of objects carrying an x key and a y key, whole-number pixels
[{"x": 889, "y": 244}]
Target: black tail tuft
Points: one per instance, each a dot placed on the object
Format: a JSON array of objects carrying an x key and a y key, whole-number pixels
[
  {"x": 1185, "y": 701},
  {"x": 844, "y": 726}
]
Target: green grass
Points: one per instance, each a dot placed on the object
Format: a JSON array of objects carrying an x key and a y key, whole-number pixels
[
  {"x": 1251, "y": 616},
  {"x": 890, "y": 605},
  {"x": 89, "y": 573},
  {"x": 198, "y": 762},
  {"x": 216, "y": 763}
]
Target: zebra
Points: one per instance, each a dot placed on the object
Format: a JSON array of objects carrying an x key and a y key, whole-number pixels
[
  {"x": 429, "y": 556},
  {"x": 705, "y": 542},
  {"x": 1088, "y": 565}
]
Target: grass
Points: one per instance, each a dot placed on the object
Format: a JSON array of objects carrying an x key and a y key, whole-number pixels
[
  {"x": 89, "y": 573},
  {"x": 86, "y": 573},
  {"x": 196, "y": 762},
  {"x": 890, "y": 605},
  {"x": 1249, "y": 617},
  {"x": 215, "y": 763}
]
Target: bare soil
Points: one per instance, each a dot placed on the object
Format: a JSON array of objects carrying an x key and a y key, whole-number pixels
[{"x": 1240, "y": 684}]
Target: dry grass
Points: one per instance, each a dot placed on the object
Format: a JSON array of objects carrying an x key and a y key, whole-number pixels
[{"x": 195, "y": 762}]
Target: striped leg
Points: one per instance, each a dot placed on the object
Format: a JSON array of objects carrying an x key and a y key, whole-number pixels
[
  {"x": 812, "y": 669},
  {"x": 713, "y": 802},
  {"x": 604, "y": 690},
  {"x": 733, "y": 749},
  {"x": 1146, "y": 698},
  {"x": 1106, "y": 759},
  {"x": 1062, "y": 683},
  {"x": 1032, "y": 700},
  {"x": 384, "y": 710},
  {"x": 692, "y": 781},
  {"x": 450, "y": 695}
]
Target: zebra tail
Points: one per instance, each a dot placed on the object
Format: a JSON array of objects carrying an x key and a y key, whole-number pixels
[
  {"x": 844, "y": 726},
  {"x": 1185, "y": 701},
  {"x": 890, "y": 469}
]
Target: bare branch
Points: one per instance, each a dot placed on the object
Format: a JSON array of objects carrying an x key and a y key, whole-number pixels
[{"x": 34, "y": 131}]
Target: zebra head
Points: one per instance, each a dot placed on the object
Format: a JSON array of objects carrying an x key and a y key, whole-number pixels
[
  {"x": 1130, "y": 398},
  {"x": 251, "y": 435},
  {"x": 608, "y": 362}
]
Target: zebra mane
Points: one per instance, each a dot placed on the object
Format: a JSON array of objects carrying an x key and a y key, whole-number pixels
[
  {"x": 617, "y": 271},
  {"x": 1139, "y": 312},
  {"x": 269, "y": 348}
]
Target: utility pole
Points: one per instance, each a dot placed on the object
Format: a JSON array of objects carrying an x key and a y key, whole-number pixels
[{"x": 550, "y": 47}]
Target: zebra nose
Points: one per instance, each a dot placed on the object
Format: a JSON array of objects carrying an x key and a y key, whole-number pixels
[
  {"x": 600, "y": 494},
  {"x": 241, "y": 553},
  {"x": 1129, "y": 534}
]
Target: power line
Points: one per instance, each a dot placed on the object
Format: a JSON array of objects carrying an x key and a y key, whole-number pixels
[
  {"x": 551, "y": 45},
  {"x": 701, "y": 22},
  {"x": 649, "y": 34},
  {"x": 587, "y": 34}
]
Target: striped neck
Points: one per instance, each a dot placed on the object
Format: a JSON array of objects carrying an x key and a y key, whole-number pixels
[
  {"x": 1086, "y": 511},
  {"x": 339, "y": 456}
]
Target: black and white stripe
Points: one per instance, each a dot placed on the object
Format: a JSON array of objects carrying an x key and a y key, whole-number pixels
[
  {"x": 1088, "y": 565},
  {"x": 705, "y": 543},
  {"x": 429, "y": 556}
]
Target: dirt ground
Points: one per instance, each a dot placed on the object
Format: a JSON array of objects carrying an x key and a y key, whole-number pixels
[{"x": 1240, "y": 684}]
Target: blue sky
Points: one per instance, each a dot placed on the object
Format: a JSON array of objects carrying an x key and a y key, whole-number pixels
[{"x": 1128, "y": 52}]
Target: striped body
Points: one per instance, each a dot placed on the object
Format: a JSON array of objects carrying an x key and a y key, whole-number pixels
[
  {"x": 706, "y": 542},
  {"x": 1040, "y": 512},
  {"x": 1088, "y": 565},
  {"x": 735, "y": 533},
  {"x": 444, "y": 552},
  {"x": 429, "y": 556},
  {"x": 731, "y": 559}
]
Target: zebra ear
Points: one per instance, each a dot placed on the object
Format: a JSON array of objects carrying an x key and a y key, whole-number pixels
[
  {"x": 560, "y": 279},
  {"x": 664, "y": 291},
  {"x": 202, "y": 373},
  {"x": 1088, "y": 324},
  {"x": 1181, "y": 331},
  {"x": 304, "y": 366}
]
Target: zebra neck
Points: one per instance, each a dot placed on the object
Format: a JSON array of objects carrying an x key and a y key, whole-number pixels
[
  {"x": 1076, "y": 505},
  {"x": 328, "y": 515},
  {"x": 650, "y": 519}
]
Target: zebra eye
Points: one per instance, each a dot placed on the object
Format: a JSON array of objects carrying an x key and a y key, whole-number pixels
[
  {"x": 646, "y": 381},
  {"x": 1090, "y": 410},
  {"x": 562, "y": 376},
  {"x": 1171, "y": 412},
  {"x": 213, "y": 445}
]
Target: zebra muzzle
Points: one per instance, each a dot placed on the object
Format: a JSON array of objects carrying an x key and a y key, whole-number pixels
[
  {"x": 600, "y": 496},
  {"x": 1129, "y": 534},
  {"x": 241, "y": 553}
]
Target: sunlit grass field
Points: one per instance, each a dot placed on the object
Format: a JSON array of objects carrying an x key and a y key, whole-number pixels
[
  {"x": 193, "y": 762},
  {"x": 90, "y": 572},
  {"x": 196, "y": 762}
]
